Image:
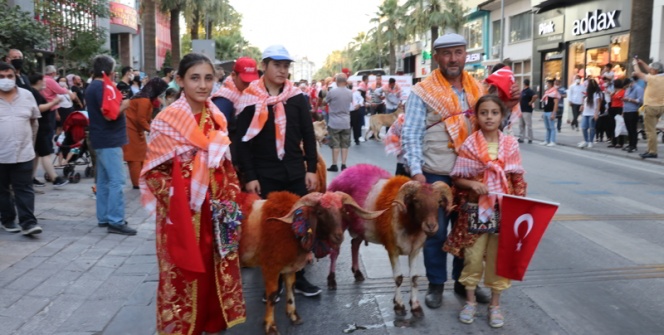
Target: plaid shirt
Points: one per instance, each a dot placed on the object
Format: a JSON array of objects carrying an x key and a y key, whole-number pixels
[{"x": 412, "y": 134}]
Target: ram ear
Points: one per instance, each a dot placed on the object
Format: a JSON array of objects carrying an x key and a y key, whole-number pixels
[{"x": 347, "y": 200}]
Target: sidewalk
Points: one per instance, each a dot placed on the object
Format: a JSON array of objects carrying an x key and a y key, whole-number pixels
[{"x": 570, "y": 138}]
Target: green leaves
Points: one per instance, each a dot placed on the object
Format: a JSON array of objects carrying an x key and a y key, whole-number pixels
[{"x": 20, "y": 31}]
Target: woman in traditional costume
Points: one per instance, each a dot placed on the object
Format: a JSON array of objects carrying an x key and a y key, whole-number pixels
[
  {"x": 139, "y": 116},
  {"x": 489, "y": 163},
  {"x": 189, "y": 180}
]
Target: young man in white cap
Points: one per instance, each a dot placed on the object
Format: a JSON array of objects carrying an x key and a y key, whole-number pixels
[
  {"x": 430, "y": 113},
  {"x": 269, "y": 157}
]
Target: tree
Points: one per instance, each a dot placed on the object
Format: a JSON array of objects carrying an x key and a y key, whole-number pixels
[
  {"x": 641, "y": 27},
  {"x": 334, "y": 62},
  {"x": 20, "y": 31},
  {"x": 148, "y": 10},
  {"x": 390, "y": 28},
  {"x": 174, "y": 8},
  {"x": 209, "y": 15},
  {"x": 436, "y": 16}
]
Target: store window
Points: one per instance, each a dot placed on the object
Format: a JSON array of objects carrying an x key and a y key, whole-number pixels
[
  {"x": 495, "y": 28},
  {"x": 521, "y": 27},
  {"x": 522, "y": 70},
  {"x": 576, "y": 63},
  {"x": 472, "y": 31}
]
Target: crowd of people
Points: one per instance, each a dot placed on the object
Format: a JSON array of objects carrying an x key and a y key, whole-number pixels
[{"x": 215, "y": 136}]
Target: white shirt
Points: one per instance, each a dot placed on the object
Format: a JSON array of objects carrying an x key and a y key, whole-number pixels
[
  {"x": 358, "y": 100},
  {"x": 65, "y": 101},
  {"x": 16, "y": 128},
  {"x": 590, "y": 110},
  {"x": 575, "y": 93}
]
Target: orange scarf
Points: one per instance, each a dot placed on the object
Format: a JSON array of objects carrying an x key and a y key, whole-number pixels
[
  {"x": 257, "y": 94},
  {"x": 474, "y": 160},
  {"x": 228, "y": 90},
  {"x": 437, "y": 93},
  {"x": 175, "y": 131},
  {"x": 392, "y": 139}
]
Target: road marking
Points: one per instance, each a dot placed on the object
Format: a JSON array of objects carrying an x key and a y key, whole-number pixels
[{"x": 602, "y": 217}]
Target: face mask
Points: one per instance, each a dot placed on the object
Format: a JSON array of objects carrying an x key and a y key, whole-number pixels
[
  {"x": 131, "y": 77},
  {"x": 577, "y": 81},
  {"x": 17, "y": 64},
  {"x": 7, "y": 84},
  {"x": 63, "y": 85}
]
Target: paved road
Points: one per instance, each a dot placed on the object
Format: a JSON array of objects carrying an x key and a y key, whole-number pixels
[{"x": 598, "y": 270}]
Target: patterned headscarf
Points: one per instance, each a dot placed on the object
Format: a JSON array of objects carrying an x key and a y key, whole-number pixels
[{"x": 154, "y": 88}]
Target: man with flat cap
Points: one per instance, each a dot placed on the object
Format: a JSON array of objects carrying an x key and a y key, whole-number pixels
[{"x": 436, "y": 125}]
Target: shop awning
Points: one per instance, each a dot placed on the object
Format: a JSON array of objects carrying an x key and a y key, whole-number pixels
[{"x": 551, "y": 4}]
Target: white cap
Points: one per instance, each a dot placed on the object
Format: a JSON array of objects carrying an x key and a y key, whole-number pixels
[{"x": 277, "y": 52}]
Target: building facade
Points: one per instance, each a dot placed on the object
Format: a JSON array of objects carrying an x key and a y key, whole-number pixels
[{"x": 579, "y": 38}]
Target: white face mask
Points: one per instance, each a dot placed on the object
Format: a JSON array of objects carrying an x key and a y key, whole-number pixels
[
  {"x": 7, "y": 84},
  {"x": 577, "y": 81},
  {"x": 63, "y": 85}
]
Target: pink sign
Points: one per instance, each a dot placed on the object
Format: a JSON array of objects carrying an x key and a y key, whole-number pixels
[
  {"x": 124, "y": 15},
  {"x": 163, "y": 38}
]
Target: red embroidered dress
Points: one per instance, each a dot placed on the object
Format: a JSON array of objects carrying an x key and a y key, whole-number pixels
[{"x": 188, "y": 302}]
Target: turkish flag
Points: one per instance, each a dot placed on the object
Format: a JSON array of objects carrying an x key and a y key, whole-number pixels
[
  {"x": 111, "y": 99},
  {"x": 180, "y": 236},
  {"x": 522, "y": 225}
]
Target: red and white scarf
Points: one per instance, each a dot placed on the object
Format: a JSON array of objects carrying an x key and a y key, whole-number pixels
[
  {"x": 474, "y": 160},
  {"x": 228, "y": 90},
  {"x": 551, "y": 93},
  {"x": 175, "y": 131},
  {"x": 392, "y": 139},
  {"x": 388, "y": 90},
  {"x": 257, "y": 94}
]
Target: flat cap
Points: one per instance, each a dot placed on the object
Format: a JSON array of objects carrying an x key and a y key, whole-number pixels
[{"x": 449, "y": 40}]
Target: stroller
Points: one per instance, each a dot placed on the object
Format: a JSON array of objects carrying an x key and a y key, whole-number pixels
[{"x": 74, "y": 147}]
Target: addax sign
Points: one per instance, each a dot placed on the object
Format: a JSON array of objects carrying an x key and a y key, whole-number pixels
[{"x": 596, "y": 21}]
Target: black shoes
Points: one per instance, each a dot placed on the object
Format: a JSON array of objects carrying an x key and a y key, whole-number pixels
[
  {"x": 343, "y": 167},
  {"x": 59, "y": 182},
  {"x": 648, "y": 155},
  {"x": 37, "y": 183},
  {"x": 31, "y": 229},
  {"x": 630, "y": 150},
  {"x": 121, "y": 229},
  {"x": 333, "y": 168},
  {"x": 480, "y": 295},
  {"x": 11, "y": 227},
  {"x": 520, "y": 140},
  {"x": 434, "y": 297},
  {"x": 304, "y": 287}
]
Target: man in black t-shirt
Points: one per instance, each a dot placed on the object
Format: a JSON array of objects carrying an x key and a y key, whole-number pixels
[
  {"x": 80, "y": 93},
  {"x": 528, "y": 98},
  {"x": 124, "y": 85}
]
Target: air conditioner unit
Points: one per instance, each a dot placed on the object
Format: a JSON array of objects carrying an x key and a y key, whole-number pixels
[{"x": 495, "y": 51}]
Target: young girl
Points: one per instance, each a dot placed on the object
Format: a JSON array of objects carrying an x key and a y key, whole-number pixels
[
  {"x": 489, "y": 163},
  {"x": 200, "y": 291}
]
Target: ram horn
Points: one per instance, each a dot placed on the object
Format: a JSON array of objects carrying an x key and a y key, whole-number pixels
[
  {"x": 308, "y": 200},
  {"x": 361, "y": 212},
  {"x": 446, "y": 195},
  {"x": 406, "y": 189}
]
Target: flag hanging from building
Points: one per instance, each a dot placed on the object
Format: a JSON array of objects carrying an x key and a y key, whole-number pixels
[{"x": 522, "y": 225}]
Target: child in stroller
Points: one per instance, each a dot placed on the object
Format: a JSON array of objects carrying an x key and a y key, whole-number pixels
[{"x": 74, "y": 146}]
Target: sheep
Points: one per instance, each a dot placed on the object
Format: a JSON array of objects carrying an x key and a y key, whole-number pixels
[
  {"x": 268, "y": 238},
  {"x": 411, "y": 214}
]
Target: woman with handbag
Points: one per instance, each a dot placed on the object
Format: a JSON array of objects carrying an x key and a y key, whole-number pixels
[
  {"x": 489, "y": 163},
  {"x": 188, "y": 178}
]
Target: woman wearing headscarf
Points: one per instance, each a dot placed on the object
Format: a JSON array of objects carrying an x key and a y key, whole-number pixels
[{"x": 139, "y": 116}]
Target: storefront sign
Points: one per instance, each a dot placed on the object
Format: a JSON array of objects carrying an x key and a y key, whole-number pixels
[
  {"x": 596, "y": 21},
  {"x": 476, "y": 57},
  {"x": 548, "y": 27},
  {"x": 123, "y": 15}
]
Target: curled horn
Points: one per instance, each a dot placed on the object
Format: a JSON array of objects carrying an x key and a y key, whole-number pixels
[
  {"x": 308, "y": 200},
  {"x": 361, "y": 212},
  {"x": 445, "y": 193},
  {"x": 406, "y": 189}
]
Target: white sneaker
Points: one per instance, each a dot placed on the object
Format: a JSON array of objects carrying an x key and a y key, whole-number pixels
[
  {"x": 590, "y": 145},
  {"x": 544, "y": 143},
  {"x": 552, "y": 144},
  {"x": 582, "y": 144}
]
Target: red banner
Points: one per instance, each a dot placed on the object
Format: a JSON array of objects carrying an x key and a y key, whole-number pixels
[
  {"x": 124, "y": 15},
  {"x": 522, "y": 224}
]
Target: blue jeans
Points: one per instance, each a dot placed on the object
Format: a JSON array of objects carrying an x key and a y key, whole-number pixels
[
  {"x": 435, "y": 259},
  {"x": 110, "y": 181},
  {"x": 550, "y": 128},
  {"x": 588, "y": 128}
]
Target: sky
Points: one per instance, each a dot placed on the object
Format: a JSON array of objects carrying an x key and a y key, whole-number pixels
[{"x": 311, "y": 28}]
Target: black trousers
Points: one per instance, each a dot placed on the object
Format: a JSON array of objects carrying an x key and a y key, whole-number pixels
[
  {"x": 356, "y": 118},
  {"x": 631, "y": 122},
  {"x": 269, "y": 185},
  {"x": 575, "y": 115},
  {"x": 19, "y": 177},
  {"x": 611, "y": 123}
]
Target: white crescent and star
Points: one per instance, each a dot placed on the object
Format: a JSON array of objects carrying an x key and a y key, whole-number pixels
[{"x": 528, "y": 219}]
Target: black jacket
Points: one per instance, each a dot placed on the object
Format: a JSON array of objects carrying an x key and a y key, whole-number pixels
[{"x": 258, "y": 157}]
